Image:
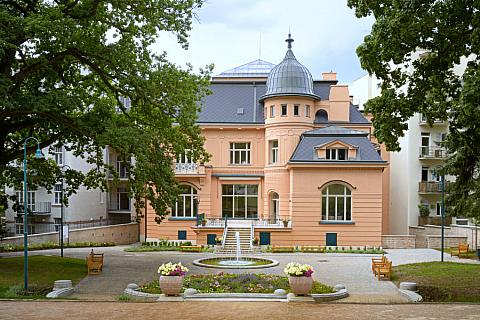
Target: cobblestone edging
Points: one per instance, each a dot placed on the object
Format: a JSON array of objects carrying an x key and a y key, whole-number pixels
[
  {"x": 412, "y": 296},
  {"x": 132, "y": 289}
]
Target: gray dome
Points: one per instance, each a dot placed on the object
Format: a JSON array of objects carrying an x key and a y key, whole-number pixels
[{"x": 289, "y": 78}]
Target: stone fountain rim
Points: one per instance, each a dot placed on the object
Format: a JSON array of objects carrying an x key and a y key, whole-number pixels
[{"x": 199, "y": 263}]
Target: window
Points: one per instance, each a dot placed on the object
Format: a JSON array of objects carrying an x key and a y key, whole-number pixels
[
  {"x": 284, "y": 110},
  {"x": 121, "y": 166},
  {"x": 240, "y": 153},
  {"x": 337, "y": 154},
  {"x": 273, "y": 151},
  {"x": 321, "y": 116},
  {"x": 439, "y": 208},
  {"x": 58, "y": 155},
  {"x": 272, "y": 111},
  {"x": 30, "y": 200},
  {"x": 336, "y": 203},
  {"x": 425, "y": 144},
  {"x": 296, "y": 110},
  {"x": 187, "y": 203},
  {"x": 307, "y": 111},
  {"x": 57, "y": 194},
  {"x": 240, "y": 201},
  {"x": 424, "y": 174}
]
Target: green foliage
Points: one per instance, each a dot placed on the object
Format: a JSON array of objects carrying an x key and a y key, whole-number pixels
[
  {"x": 53, "y": 245},
  {"x": 236, "y": 283},
  {"x": 423, "y": 210},
  {"x": 66, "y": 67},
  {"x": 412, "y": 48}
]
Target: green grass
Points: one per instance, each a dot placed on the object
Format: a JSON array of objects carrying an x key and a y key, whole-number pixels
[
  {"x": 42, "y": 272},
  {"x": 442, "y": 281},
  {"x": 53, "y": 245},
  {"x": 235, "y": 283}
]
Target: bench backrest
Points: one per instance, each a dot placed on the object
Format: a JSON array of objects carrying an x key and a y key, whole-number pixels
[{"x": 463, "y": 247}]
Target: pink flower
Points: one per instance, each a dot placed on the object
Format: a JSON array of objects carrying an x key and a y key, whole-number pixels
[{"x": 309, "y": 273}]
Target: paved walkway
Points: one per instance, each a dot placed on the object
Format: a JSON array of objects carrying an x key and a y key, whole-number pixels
[
  {"x": 353, "y": 270},
  {"x": 43, "y": 310}
]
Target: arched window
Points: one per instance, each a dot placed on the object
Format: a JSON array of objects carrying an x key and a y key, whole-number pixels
[
  {"x": 321, "y": 116},
  {"x": 336, "y": 203},
  {"x": 187, "y": 203},
  {"x": 274, "y": 208}
]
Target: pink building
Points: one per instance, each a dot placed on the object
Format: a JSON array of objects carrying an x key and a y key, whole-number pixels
[{"x": 292, "y": 162}]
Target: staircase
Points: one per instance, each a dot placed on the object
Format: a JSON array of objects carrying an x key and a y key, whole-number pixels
[{"x": 230, "y": 244}]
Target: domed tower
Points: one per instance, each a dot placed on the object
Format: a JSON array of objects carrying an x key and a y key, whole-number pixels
[{"x": 289, "y": 111}]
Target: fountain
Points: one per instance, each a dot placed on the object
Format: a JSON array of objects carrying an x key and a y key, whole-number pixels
[{"x": 236, "y": 262}]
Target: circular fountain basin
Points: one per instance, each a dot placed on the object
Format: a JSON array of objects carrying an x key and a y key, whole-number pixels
[{"x": 233, "y": 263}]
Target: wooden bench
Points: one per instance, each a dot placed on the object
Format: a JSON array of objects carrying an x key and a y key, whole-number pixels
[
  {"x": 94, "y": 263},
  {"x": 191, "y": 248},
  {"x": 384, "y": 271},
  {"x": 376, "y": 262},
  {"x": 320, "y": 249},
  {"x": 462, "y": 248},
  {"x": 279, "y": 249}
]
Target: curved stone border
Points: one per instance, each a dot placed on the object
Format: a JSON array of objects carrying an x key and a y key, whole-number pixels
[
  {"x": 199, "y": 263},
  {"x": 412, "y": 296},
  {"x": 340, "y": 293},
  {"x": 63, "y": 292}
]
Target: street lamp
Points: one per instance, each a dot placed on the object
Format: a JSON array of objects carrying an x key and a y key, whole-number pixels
[
  {"x": 61, "y": 208},
  {"x": 38, "y": 155}
]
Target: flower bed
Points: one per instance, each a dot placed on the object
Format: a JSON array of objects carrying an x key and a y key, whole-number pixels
[
  {"x": 53, "y": 245},
  {"x": 236, "y": 283}
]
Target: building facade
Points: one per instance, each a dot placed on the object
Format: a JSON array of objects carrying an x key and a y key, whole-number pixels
[{"x": 293, "y": 162}]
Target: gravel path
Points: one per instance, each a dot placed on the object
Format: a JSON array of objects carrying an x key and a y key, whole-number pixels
[{"x": 43, "y": 310}]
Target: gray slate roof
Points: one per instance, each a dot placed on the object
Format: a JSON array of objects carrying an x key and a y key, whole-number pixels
[
  {"x": 227, "y": 97},
  {"x": 305, "y": 151}
]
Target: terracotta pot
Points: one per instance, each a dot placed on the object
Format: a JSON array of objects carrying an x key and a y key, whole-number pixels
[
  {"x": 300, "y": 285},
  {"x": 171, "y": 285}
]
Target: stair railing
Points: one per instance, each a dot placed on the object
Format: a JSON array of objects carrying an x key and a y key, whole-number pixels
[
  {"x": 224, "y": 236},
  {"x": 252, "y": 234}
]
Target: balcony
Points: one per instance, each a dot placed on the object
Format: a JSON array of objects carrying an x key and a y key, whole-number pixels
[
  {"x": 437, "y": 122},
  {"x": 37, "y": 208},
  {"x": 257, "y": 223},
  {"x": 123, "y": 204},
  {"x": 431, "y": 187},
  {"x": 189, "y": 169},
  {"x": 433, "y": 153}
]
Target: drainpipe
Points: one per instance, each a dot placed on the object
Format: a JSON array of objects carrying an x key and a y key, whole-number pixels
[{"x": 254, "y": 102}]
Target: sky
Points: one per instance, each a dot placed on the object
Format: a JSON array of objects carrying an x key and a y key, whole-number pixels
[{"x": 229, "y": 33}]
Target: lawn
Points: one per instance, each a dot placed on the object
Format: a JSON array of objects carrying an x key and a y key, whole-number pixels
[
  {"x": 442, "y": 281},
  {"x": 236, "y": 283},
  {"x": 42, "y": 272}
]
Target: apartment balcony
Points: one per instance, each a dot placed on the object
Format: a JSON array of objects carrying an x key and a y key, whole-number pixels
[
  {"x": 122, "y": 205},
  {"x": 37, "y": 208},
  {"x": 189, "y": 169},
  {"x": 436, "y": 123},
  {"x": 432, "y": 153},
  {"x": 430, "y": 187}
]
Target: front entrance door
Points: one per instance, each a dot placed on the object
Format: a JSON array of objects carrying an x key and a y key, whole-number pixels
[{"x": 331, "y": 239}]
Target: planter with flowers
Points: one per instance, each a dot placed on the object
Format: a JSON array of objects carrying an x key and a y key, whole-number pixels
[
  {"x": 299, "y": 277},
  {"x": 171, "y": 278}
]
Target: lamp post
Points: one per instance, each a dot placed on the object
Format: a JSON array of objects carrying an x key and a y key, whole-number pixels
[
  {"x": 443, "y": 214},
  {"x": 61, "y": 208},
  {"x": 38, "y": 155}
]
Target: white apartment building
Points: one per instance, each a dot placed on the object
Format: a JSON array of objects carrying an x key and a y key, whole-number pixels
[
  {"x": 87, "y": 205},
  {"x": 413, "y": 178}
]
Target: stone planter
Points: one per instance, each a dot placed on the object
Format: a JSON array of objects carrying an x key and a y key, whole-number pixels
[
  {"x": 300, "y": 285},
  {"x": 171, "y": 285}
]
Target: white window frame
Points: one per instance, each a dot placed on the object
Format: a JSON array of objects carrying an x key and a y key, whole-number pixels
[
  {"x": 438, "y": 209},
  {"x": 345, "y": 196},
  {"x": 272, "y": 111},
  {"x": 307, "y": 111},
  {"x": 333, "y": 154},
  {"x": 236, "y": 196},
  {"x": 273, "y": 151},
  {"x": 179, "y": 210},
  {"x": 57, "y": 193},
  {"x": 237, "y": 153},
  {"x": 284, "y": 107},
  {"x": 58, "y": 155},
  {"x": 30, "y": 199}
]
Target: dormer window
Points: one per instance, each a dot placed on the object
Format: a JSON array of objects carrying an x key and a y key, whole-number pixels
[{"x": 337, "y": 154}]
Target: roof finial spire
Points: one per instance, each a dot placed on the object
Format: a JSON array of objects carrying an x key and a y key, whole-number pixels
[{"x": 289, "y": 40}]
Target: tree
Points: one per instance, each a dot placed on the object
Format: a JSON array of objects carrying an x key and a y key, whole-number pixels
[
  {"x": 66, "y": 68},
  {"x": 443, "y": 33}
]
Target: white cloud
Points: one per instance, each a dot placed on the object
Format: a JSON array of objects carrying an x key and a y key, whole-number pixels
[{"x": 227, "y": 34}]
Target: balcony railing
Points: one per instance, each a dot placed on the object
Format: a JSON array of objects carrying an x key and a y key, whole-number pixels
[
  {"x": 433, "y": 153},
  {"x": 216, "y": 222},
  {"x": 37, "y": 208},
  {"x": 431, "y": 186},
  {"x": 186, "y": 168}
]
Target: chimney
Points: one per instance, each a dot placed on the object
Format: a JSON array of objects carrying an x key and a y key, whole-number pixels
[{"x": 329, "y": 75}]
